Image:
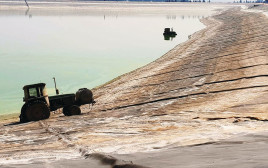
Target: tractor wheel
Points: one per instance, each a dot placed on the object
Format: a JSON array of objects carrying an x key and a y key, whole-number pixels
[
  {"x": 71, "y": 110},
  {"x": 23, "y": 117},
  {"x": 65, "y": 111},
  {"x": 37, "y": 110}
]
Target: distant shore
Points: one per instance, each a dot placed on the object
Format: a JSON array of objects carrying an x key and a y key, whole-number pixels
[
  {"x": 38, "y": 7},
  {"x": 202, "y": 104}
]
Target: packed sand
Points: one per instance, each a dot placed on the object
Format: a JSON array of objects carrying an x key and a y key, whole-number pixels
[
  {"x": 203, "y": 104},
  {"x": 242, "y": 151}
]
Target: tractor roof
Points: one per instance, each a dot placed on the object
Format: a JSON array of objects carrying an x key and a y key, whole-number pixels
[{"x": 34, "y": 85}]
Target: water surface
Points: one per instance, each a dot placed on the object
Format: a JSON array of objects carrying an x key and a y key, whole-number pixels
[{"x": 81, "y": 49}]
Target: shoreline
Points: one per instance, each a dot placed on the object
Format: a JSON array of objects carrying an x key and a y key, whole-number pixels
[
  {"x": 12, "y": 115},
  {"x": 15, "y": 105},
  {"x": 208, "y": 89}
]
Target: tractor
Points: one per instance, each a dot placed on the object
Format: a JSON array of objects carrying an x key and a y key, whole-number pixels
[{"x": 38, "y": 104}]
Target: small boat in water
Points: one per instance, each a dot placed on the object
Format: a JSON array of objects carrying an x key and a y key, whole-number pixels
[{"x": 169, "y": 32}]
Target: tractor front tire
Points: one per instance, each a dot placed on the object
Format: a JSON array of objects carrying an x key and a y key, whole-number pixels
[
  {"x": 71, "y": 110},
  {"x": 37, "y": 110}
]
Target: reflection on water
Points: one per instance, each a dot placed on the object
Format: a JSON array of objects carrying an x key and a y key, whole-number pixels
[
  {"x": 171, "y": 17},
  {"x": 174, "y": 17},
  {"x": 83, "y": 49},
  {"x": 27, "y": 13},
  {"x": 169, "y": 37}
]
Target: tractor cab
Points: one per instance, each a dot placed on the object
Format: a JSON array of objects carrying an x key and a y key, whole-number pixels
[{"x": 35, "y": 91}]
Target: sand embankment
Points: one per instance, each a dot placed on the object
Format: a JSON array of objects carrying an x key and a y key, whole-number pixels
[{"x": 212, "y": 87}]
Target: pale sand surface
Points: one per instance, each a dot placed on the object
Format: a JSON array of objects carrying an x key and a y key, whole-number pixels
[
  {"x": 244, "y": 151},
  {"x": 210, "y": 90}
]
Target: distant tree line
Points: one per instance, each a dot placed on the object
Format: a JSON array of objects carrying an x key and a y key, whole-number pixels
[
  {"x": 208, "y": 1},
  {"x": 165, "y": 0},
  {"x": 251, "y": 1},
  {"x": 187, "y": 0},
  {"x": 159, "y": 0}
]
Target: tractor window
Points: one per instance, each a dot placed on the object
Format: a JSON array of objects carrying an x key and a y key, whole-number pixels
[{"x": 33, "y": 92}]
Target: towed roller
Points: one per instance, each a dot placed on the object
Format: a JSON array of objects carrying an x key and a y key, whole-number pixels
[{"x": 84, "y": 96}]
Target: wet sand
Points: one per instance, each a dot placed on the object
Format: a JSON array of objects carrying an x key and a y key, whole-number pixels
[{"x": 203, "y": 104}]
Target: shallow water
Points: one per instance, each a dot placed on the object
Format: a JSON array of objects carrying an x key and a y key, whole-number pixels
[{"x": 81, "y": 49}]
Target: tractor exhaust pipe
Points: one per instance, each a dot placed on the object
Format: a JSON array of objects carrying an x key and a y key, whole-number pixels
[{"x": 57, "y": 90}]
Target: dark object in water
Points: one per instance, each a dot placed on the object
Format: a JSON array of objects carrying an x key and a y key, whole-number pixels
[
  {"x": 38, "y": 104},
  {"x": 169, "y": 33}
]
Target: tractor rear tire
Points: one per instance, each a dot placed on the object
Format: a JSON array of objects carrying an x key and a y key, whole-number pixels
[
  {"x": 71, "y": 110},
  {"x": 37, "y": 110}
]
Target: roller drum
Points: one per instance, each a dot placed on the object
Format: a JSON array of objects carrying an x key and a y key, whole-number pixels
[{"x": 84, "y": 96}]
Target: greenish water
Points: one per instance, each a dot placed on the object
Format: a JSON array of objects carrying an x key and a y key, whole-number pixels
[{"x": 80, "y": 50}]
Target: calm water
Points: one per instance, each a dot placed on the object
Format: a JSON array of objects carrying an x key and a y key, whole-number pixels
[{"x": 80, "y": 50}]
